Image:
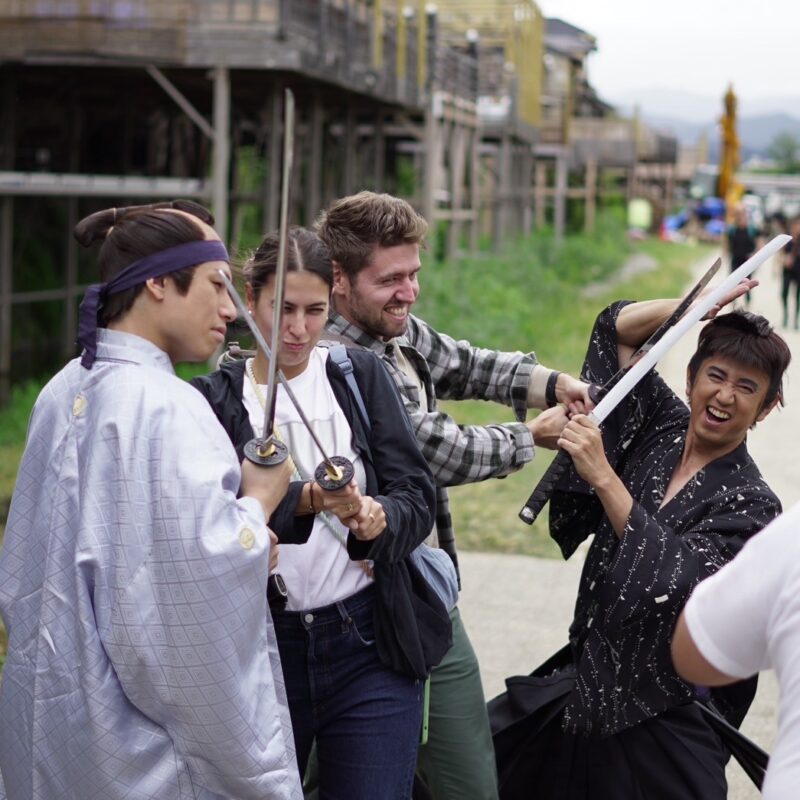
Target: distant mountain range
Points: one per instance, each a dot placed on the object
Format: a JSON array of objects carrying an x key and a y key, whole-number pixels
[{"x": 688, "y": 116}]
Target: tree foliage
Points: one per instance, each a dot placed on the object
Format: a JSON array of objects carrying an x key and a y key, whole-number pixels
[{"x": 785, "y": 151}]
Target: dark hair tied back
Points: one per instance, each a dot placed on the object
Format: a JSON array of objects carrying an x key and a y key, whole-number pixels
[
  {"x": 139, "y": 231},
  {"x": 305, "y": 251}
]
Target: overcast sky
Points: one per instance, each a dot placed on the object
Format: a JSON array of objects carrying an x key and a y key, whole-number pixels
[{"x": 697, "y": 46}]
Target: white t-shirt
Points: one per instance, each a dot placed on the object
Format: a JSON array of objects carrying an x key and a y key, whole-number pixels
[
  {"x": 746, "y": 618},
  {"x": 318, "y": 572}
]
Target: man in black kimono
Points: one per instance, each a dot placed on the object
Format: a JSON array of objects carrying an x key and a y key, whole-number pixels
[{"x": 671, "y": 495}]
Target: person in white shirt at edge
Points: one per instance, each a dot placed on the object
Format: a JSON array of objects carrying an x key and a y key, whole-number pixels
[
  {"x": 142, "y": 661},
  {"x": 744, "y": 619}
]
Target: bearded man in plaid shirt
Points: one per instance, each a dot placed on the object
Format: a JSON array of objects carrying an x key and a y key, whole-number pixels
[{"x": 374, "y": 241}]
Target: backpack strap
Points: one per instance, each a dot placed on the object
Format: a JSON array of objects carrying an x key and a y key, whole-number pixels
[{"x": 338, "y": 353}]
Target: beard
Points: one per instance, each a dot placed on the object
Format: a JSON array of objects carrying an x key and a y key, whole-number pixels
[{"x": 372, "y": 320}]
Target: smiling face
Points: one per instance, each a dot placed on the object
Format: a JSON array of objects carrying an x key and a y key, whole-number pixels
[
  {"x": 379, "y": 298},
  {"x": 726, "y": 399},
  {"x": 305, "y": 310}
]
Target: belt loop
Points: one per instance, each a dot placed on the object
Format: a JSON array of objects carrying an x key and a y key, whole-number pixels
[{"x": 347, "y": 620}]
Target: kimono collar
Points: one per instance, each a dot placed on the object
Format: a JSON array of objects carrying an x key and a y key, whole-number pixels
[{"x": 124, "y": 347}]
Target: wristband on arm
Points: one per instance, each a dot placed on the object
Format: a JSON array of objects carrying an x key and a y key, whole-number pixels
[{"x": 550, "y": 390}]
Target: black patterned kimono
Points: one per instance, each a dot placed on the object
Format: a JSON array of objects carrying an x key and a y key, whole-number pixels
[{"x": 608, "y": 717}]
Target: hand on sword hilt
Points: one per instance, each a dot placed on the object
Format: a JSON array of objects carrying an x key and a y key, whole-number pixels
[{"x": 267, "y": 454}]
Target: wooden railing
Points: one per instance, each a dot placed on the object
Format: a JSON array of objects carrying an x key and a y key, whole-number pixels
[{"x": 337, "y": 39}]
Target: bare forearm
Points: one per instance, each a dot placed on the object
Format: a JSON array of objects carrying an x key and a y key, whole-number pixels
[{"x": 637, "y": 321}]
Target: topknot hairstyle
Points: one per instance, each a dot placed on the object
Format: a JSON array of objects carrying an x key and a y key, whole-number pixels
[{"x": 133, "y": 232}]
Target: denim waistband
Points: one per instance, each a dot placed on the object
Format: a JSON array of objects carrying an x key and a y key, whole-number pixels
[{"x": 339, "y": 611}]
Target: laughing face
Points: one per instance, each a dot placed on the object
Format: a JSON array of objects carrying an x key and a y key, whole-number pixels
[
  {"x": 378, "y": 299},
  {"x": 726, "y": 398}
]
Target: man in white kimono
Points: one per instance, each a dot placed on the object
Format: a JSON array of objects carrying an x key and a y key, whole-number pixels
[{"x": 142, "y": 661}]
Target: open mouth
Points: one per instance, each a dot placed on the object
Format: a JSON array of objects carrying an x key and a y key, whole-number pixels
[
  {"x": 717, "y": 414},
  {"x": 398, "y": 312}
]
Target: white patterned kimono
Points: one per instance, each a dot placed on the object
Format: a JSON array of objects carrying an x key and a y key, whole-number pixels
[{"x": 142, "y": 660}]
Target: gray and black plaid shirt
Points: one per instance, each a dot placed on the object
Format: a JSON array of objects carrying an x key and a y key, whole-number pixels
[{"x": 454, "y": 370}]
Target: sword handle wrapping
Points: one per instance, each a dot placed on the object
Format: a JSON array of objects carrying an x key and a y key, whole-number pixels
[
  {"x": 544, "y": 489},
  {"x": 277, "y": 593}
]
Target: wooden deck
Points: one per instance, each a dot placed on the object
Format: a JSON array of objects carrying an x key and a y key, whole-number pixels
[{"x": 357, "y": 46}]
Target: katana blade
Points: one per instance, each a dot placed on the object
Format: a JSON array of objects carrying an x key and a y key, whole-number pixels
[
  {"x": 600, "y": 391},
  {"x": 330, "y": 465},
  {"x": 544, "y": 489},
  {"x": 280, "y": 271}
]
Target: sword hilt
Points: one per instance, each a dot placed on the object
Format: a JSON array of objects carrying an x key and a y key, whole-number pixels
[
  {"x": 334, "y": 473},
  {"x": 596, "y": 392},
  {"x": 545, "y": 488},
  {"x": 266, "y": 452}
]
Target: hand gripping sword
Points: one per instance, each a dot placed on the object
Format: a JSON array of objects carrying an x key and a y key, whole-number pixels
[{"x": 630, "y": 377}]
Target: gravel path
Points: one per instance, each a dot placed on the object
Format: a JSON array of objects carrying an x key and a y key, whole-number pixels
[{"x": 517, "y": 608}]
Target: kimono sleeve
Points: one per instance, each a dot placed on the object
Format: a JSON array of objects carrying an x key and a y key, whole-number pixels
[
  {"x": 188, "y": 633},
  {"x": 657, "y": 566},
  {"x": 645, "y": 415}
]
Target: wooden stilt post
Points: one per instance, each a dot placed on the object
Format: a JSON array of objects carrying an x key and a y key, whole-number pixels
[
  {"x": 379, "y": 163},
  {"x": 458, "y": 157},
  {"x": 591, "y": 193},
  {"x": 70, "y": 309},
  {"x": 561, "y": 196},
  {"x": 221, "y": 159},
  {"x": 540, "y": 196},
  {"x": 474, "y": 188},
  {"x": 502, "y": 191},
  {"x": 6, "y": 285},
  {"x": 273, "y": 188},
  {"x": 350, "y": 150},
  {"x": 314, "y": 155}
]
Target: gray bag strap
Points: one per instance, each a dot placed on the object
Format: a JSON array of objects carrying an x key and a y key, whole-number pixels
[{"x": 338, "y": 354}]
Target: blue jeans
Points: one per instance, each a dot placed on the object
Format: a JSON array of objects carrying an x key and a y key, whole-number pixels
[{"x": 365, "y": 717}]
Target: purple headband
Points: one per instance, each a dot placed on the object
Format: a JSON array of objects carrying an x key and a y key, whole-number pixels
[{"x": 155, "y": 265}]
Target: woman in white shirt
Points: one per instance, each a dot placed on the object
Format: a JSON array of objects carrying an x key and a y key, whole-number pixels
[{"x": 360, "y": 629}]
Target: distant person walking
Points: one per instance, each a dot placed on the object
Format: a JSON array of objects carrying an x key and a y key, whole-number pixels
[
  {"x": 740, "y": 240},
  {"x": 791, "y": 275}
]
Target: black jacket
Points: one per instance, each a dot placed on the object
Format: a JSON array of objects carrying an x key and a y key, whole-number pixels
[{"x": 412, "y": 625}]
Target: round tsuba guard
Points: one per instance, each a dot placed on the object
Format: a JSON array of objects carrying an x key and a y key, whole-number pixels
[
  {"x": 277, "y": 453},
  {"x": 329, "y": 482}
]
